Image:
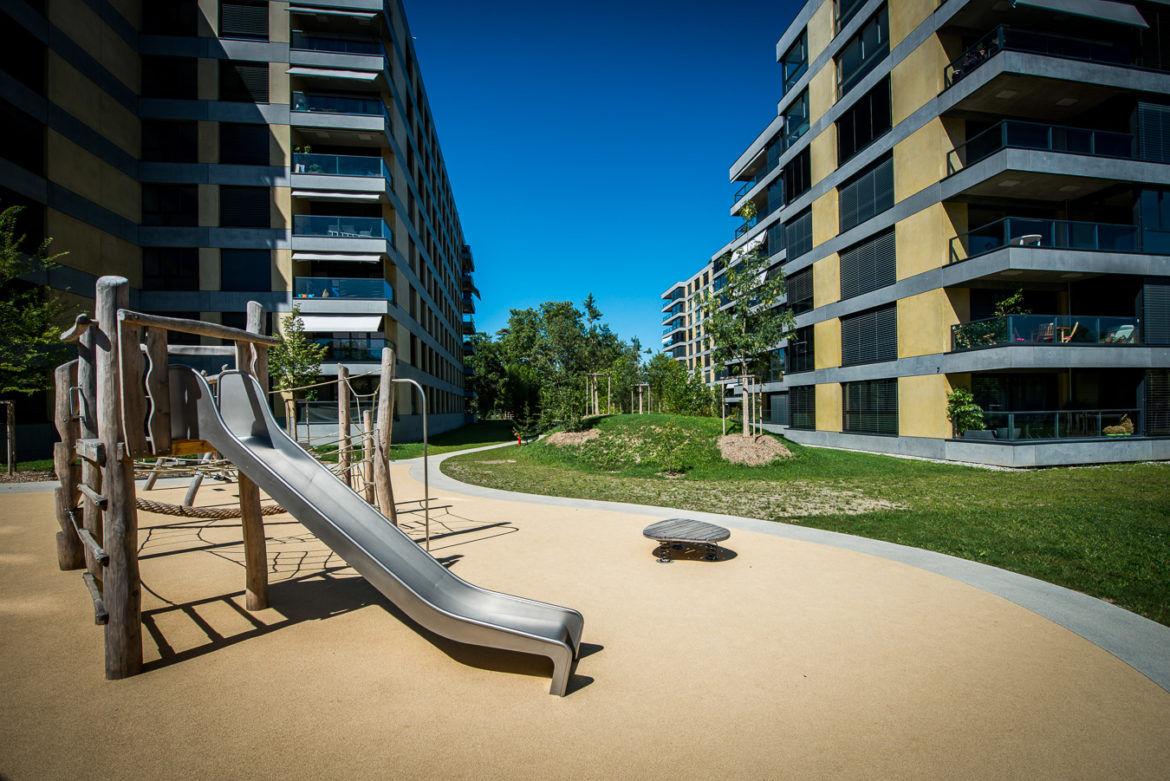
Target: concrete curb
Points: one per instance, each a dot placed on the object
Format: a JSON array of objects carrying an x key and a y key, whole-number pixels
[{"x": 1139, "y": 642}]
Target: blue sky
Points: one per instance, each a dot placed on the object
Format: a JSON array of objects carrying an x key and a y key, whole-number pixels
[{"x": 588, "y": 144}]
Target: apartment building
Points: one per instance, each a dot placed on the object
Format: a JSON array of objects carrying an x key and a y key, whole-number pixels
[
  {"x": 969, "y": 194},
  {"x": 216, "y": 151}
]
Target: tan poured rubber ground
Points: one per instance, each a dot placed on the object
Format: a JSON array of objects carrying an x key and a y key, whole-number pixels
[{"x": 784, "y": 660}]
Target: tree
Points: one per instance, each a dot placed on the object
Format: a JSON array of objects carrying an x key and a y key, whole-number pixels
[
  {"x": 743, "y": 320},
  {"x": 487, "y": 376},
  {"x": 30, "y": 316},
  {"x": 296, "y": 361}
]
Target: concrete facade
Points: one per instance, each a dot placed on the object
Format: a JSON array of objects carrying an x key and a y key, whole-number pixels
[
  {"x": 958, "y": 153},
  {"x": 216, "y": 151}
]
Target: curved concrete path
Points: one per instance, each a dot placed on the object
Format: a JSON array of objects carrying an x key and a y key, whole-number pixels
[{"x": 1136, "y": 640}]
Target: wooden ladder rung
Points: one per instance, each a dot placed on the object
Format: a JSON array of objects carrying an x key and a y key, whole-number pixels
[
  {"x": 91, "y": 450},
  {"x": 102, "y": 502},
  {"x": 100, "y": 616},
  {"x": 99, "y": 553}
]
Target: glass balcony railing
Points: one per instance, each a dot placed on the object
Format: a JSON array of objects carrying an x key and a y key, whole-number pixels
[
  {"x": 340, "y": 165},
  {"x": 1032, "y": 135},
  {"x": 341, "y": 227},
  {"x": 342, "y": 287},
  {"x": 468, "y": 325},
  {"x": 352, "y": 349},
  {"x": 338, "y": 104},
  {"x": 319, "y": 43},
  {"x": 1025, "y": 425},
  {"x": 1045, "y": 330},
  {"x": 1005, "y": 38},
  {"x": 1052, "y": 234}
]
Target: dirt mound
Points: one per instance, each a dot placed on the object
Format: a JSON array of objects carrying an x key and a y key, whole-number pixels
[
  {"x": 562, "y": 438},
  {"x": 752, "y": 451}
]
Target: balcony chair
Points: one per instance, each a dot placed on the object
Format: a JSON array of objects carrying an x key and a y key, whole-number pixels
[
  {"x": 1066, "y": 338},
  {"x": 1046, "y": 333},
  {"x": 1121, "y": 335},
  {"x": 1027, "y": 240}
]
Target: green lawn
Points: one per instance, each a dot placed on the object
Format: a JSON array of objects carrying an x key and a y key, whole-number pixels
[
  {"x": 1101, "y": 530},
  {"x": 486, "y": 432}
]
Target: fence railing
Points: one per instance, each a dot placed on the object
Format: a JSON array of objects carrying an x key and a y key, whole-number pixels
[
  {"x": 1035, "y": 135},
  {"x": 1058, "y": 234},
  {"x": 342, "y": 287},
  {"x": 1004, "y": 38},
  {"x": 1045, "y": 330},
  {"x": 317, "y": 43},
  {"x": 341, "y": 227},
  {"x": 340, "y": 165},
  {"x": 352, "y": 349},
  {"x": 1024, "y": 425},
  {"x": 338, "y": 104}
]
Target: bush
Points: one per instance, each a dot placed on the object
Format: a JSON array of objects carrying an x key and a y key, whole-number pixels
[{"x": 963, "y": 412}]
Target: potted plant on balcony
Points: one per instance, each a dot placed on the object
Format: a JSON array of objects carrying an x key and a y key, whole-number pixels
[{"x": 966, "y": 416}]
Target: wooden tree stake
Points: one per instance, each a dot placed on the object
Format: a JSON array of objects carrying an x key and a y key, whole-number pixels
[
  {"x": 382, "y": 485},
  {"x": 251, "y": 519}
]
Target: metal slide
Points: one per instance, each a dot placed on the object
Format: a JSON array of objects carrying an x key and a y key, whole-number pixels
[{"x": 242, "y": 428}]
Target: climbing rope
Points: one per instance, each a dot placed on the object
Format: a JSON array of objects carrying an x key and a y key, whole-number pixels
[{"x": 201, "y": 512}]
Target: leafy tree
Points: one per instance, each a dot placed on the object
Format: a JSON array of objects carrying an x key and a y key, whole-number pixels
[
  {"x": 296, "y": 361},
  {"x": 30, "y": 316},
  {"x": 963, "y": 412},
  {"x": 743, "y": 319},
  {"x": 488, "y": 377}
]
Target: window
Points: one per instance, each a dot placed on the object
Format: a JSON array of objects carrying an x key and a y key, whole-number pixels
[
  {"x": 802, "y": 405},
  {"x": 865, "y": 120},
  {"x": 243, "y": 19},
  {"x": 800, "y": 351},
  {"x": 173, "y": 78},
  {"x": 170, "y": 268},
  {"x": 794, "y": 63},
  {"x": 22, "y": 54},
  {"x": 243, "y": 144},
  {"x": 1154, "y": 217},
  {"x": 775, "y": 195},
  {"x": 800, "y": 291},
  {"x": 797, "y": 175},
  {"x": 243, "y": 82},
  {"x": 870, "y": 336},
  {"x": 871, "y": 407},
  {"x": 867, "y": 194},
  {"x": 245, "y": 270},
  {"x": 863, "y": 52},
  {"x": 798, "y": 234},
  {"x": 846, "y": 10},
  {"x": 776, "y": 237},
  {"x": 775, "y": 151},
  {"x": 1158, "y": 402},
  {"x": 167, "y": 141},
  {"x": 869, "y": 265},
  {"x": 174, "y": 17},
  {"x": 172, "y": 205},
  {"x": 796, "y": 119},
  {"x": 26, "y": 140},
  {"x": 244, "y": 207}
]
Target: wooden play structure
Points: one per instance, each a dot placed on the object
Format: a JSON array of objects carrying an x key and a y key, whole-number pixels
[{"x": 113, "y": 405}]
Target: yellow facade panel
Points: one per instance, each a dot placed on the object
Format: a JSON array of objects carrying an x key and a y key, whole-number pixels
[
  {"x": 73, "y": 92},
  {"x": 282, "y": 274},
  {"x": 79, "y": 23},
  {"x": 827, "y": 280},
  {"x": 120, "y": 125},
  {"x": 825, "y": 222},
  {"x": 278, "y": 83},
  {"x": 279, "y": 145},
  {"x": 822, "y": 92},
  {"x": 120, "y": 59},
  {"x": 923, "y": 240},
  {"x": 922, "y": 404},
  {"x": 924, "y": 323},
  {"x": 208, "y": 205},
  {"x": 920, "y": 159},
  {"x": 918, "y": 78},
  {"x": 905, "y": 15},
  {"x": 210, "y": 270},
  {"x": 828, "y": 404},
  {"x": 821, "y": 27},
  {"x": 91, "y": 249},
  {"x": 207, "y": 79},
  {"x": 827, "y": 343},
  {"x": 278, "y": 26},
  {"x": 208, "y": 142},
  {"x": 131, "y": 10},
  {"x": 209, "y": 17},
  {"x": 823, "y": 154},
  {"x": 281, "y": 216}
]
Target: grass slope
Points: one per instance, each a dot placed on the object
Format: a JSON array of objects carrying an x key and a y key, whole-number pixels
[
  {"x": 1101, "y": 530},
  {"x": 486, "y": 432}
]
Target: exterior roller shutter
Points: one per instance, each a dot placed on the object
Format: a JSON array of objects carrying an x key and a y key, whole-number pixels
[
  {"x": 245, "y": 82},
  {"x": 871, "y": 407},
  {"x": 802, "y": 404},
  {"x": 867, "y": 194},
  {"x": 1157, "y": 403},
  {"x": 1153, "y": 132},
  {"x": 870, "y": 336},
  {"x": 243, "y": 20},
  {"x": 799, "y": 234},
  {"x": 244, "y": 207},
  {"x": 869, "y": 266},
  {"x": 800, "y": 291},
  {"x": 801, "y": 356},
  {"x": 1156, "y": 311}
]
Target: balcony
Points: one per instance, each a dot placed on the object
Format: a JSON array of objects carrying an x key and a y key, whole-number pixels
[
  {"x": 1045, "y": 331},
  {"x": 1056, "y": 234},
  {"x": 1032, "y": 425},
  {"x": 1032, "y": 135},
  {"x": 340, "y": 165},
  {"x": 468, "y": 304},
  {"x": 353, "y": 349},
  {"x": 320, "y": 43},
  {"x": 468, "y": 325},
  {"x": 341, "y": 227},
  {"x": 1005, "y": 38},
  {"x": 342, "y": 287},
  {"x": 338, "y": 104}
]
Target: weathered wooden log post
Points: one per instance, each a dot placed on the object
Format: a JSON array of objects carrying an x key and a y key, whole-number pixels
[
  {"x": 382, "y": 485},
  {"x": 251, "y": 518},
  {"x": 10, "y": 434},
  {"x": 121, "y": 590},
  {"x": 368, "y": 455},
  {"x": 344, "y": 422},
  {"x": 70, "y": 552},
  {"x": 91, "y": 472}
]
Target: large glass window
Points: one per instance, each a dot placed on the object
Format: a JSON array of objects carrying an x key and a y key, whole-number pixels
[
  {"x": 245, "y": 270},
  {"x": 794, "y": 63},
  {"x": 863, "y": 51},
  {"x": 172, "y": 205},
  {"x": 846, "y": 10},
  {"x": 797, "y": 175},
  {"x": 244, "y": 144},
  {"x": 796, "y": 119},
  {"x": 865, "y": 120},
  {"x": 801, "y": 354},
  {"x": 244, "y": 207},
  {"x": 871, "y": 407},
  {"x": 1154, "y": 217},
  {"x": 170, "y": 268}
]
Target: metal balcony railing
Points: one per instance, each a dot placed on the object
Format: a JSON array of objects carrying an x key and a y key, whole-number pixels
[
  {"x": 1004, "y": 38},
  {"x": 340, "y": 165},
  {"x": 1051, "y": 234},
  {"x": 318, "y": 43},
  {"x": 341, "y": 227},
  {"x": 1045, "y": 330},
  {"x": 1034, "y": 135},
  {"x": 342, "y": 287},
  {"x": 338, "y": 104},
  {"x": 353, "y": 349},
  {"x": 1025, "y": 425}
]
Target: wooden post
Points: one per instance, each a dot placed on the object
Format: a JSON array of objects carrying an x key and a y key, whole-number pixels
[
  {"x": 70, "y": 551},
  {"x": 368, "y": 455},
  {"x": 251, "y": 518},
  {"x": 344, "y": 422},
  {"x": 91, "y": 473},
  {"x": 382, "y": 485},
  {"x": 158, "y": 386},
  {"x": 122, "y": 590},
  {"x": 10, "y": 429}
]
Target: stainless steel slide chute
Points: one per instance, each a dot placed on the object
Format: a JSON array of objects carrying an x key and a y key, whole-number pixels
[{"x": 240, "y": 425}]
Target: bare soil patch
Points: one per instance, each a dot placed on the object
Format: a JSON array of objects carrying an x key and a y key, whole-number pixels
[
  {"x": 562, "y": 438},
  {"x": 751, "y": 451},
  {"x": 26, "y": 477}
]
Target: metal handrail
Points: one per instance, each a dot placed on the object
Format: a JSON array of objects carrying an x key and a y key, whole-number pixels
[{"x": 1055, "y": 138}]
